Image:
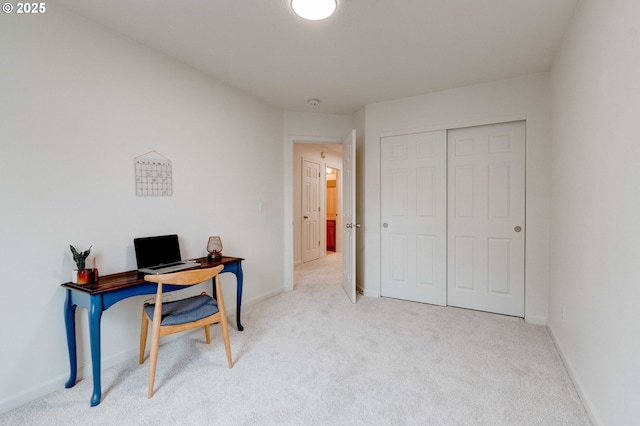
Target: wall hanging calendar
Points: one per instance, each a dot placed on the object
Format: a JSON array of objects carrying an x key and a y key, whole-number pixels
[{"x": 153, "y": 175}]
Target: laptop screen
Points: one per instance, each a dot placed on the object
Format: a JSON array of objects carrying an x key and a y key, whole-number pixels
[{"x": 152, "y": 251}]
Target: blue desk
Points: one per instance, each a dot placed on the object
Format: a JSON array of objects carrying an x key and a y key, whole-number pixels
[{"x": 110, "y": 289}]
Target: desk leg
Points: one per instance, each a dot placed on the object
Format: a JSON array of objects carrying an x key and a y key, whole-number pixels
[
  {"x": 239, "y": 298},
  {"x": 95, "y": 314},
  {"x": 238, "y": 273},
  {"x": 70, "y": 326}
]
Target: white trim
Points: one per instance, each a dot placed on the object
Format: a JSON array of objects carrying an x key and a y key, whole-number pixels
[
  {"x": 288, "y": 214},
  {"x": 586, "y": 401},
  {"x": 371, "y": 293},
  {"x": 313, "y": 140},
  {"x": 532, "y": 319},
  {"x": 34, "y": 393},
  {"x": 257, "y": 300},
  {"x": 456, "y": 125}
]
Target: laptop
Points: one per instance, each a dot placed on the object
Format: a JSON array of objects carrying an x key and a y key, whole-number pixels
[{"x": 160, "y": 255}]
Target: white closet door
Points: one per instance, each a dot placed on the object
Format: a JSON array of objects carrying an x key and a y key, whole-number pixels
[
  {"x": 486, "y": 211},
  {"x": 414, "y": 217}
]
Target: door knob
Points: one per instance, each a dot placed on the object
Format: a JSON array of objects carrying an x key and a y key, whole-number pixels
[
  {"x": 306, "y": 217},
  {"x": 385, "y": 225},
  {"x": 517, "y": 229}
]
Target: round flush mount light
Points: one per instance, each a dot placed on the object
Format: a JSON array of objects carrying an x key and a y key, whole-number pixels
[
  {"x": 314, "y": 10},
  {"x": 313, "y": 102}
]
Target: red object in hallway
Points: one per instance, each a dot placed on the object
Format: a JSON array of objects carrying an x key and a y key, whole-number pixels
[{"x": 331, "y": 235}]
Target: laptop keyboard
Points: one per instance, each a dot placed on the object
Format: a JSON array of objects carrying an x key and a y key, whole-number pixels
[
  {"x": 166, "y": 265},
  {"x": 168, "y": 268}
]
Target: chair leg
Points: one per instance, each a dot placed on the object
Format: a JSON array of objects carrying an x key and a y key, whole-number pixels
[
  {"x": 144, "y": 329},
  {"x": 225, "y": 337},
  {"x": 207, "y": 334},
  {"x": 153, "y": 356},
  {"x": 223, "y": 322},
  {"x": 155, "y": 341}
]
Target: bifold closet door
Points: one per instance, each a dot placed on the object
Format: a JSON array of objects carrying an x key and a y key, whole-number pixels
[
  {"x": 414, "y": 217},
  {"x": 486, "y": 211}
]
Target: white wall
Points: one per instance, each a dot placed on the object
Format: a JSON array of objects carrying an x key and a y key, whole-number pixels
[
  {"x": 519, "y": 98},
  {"x": 308, "y": 126},
  {"x": 595, "y": 206},
  {"x": 78, "y": 104}
]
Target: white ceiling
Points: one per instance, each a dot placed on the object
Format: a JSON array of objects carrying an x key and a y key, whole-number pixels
[{"x": 369, "y": 51}]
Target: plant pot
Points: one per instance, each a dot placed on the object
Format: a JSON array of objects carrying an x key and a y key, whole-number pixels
[{"x": 84, "y": 276}]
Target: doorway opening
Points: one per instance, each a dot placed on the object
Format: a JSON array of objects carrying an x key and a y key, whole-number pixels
[
  {"x": 331, "y": 207},
  {"x": 315, "y": 241}
]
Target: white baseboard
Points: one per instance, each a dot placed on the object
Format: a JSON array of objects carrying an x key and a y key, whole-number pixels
[
  {"x": 34, "y": 392},
  {"x": 370, "y": 293},
  {"x": 57, "y": 383},
  {"x": 584, "y": 397},
  {"x": 532, "y": 319},
  {"x": 258, "y": 299}
]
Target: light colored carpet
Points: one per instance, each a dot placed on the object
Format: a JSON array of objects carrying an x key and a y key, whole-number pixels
[{"x": 310, "y": 357}]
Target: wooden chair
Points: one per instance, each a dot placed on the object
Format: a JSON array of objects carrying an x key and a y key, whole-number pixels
[{"x": 181, "y": 315}]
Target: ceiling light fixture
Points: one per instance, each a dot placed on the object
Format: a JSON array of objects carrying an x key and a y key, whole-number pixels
[
  {"x": 313, "y": 102},
  {"x": 314, "y": 10}
]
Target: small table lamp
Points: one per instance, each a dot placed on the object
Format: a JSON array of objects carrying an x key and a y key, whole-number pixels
[{"x": 214, "y": 248}]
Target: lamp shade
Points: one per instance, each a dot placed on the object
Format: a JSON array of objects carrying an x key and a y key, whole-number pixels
[{"x": 314, "y": 10}]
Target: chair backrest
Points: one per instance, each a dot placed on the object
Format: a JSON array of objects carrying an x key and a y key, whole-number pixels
[{"x": 189, "y": 277}]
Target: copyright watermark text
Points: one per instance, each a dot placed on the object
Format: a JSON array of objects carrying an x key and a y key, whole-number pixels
[{"x": 26, "y": 8}]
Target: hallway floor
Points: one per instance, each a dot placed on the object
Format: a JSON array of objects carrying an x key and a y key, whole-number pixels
[{"x": 324, "y": 270}]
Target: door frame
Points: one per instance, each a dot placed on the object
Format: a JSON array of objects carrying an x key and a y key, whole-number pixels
[{"x": 288, "y": 200}]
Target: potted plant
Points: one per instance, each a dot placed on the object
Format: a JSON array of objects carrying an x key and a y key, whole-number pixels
[{"x": 81, "y": 274}]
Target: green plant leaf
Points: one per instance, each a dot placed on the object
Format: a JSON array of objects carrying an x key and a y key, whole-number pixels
[{"x": 78, "y": 257}]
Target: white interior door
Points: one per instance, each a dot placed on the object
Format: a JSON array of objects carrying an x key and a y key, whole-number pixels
[
  {"x": 310, "y": 210},
  {"x": 348, "y": 223},
  {"x": 414, "y": 217},
  {"x": 486, "y": 208}
]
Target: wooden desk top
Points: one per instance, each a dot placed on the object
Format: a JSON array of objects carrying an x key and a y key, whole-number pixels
[{"x": 130, "y": 278}]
